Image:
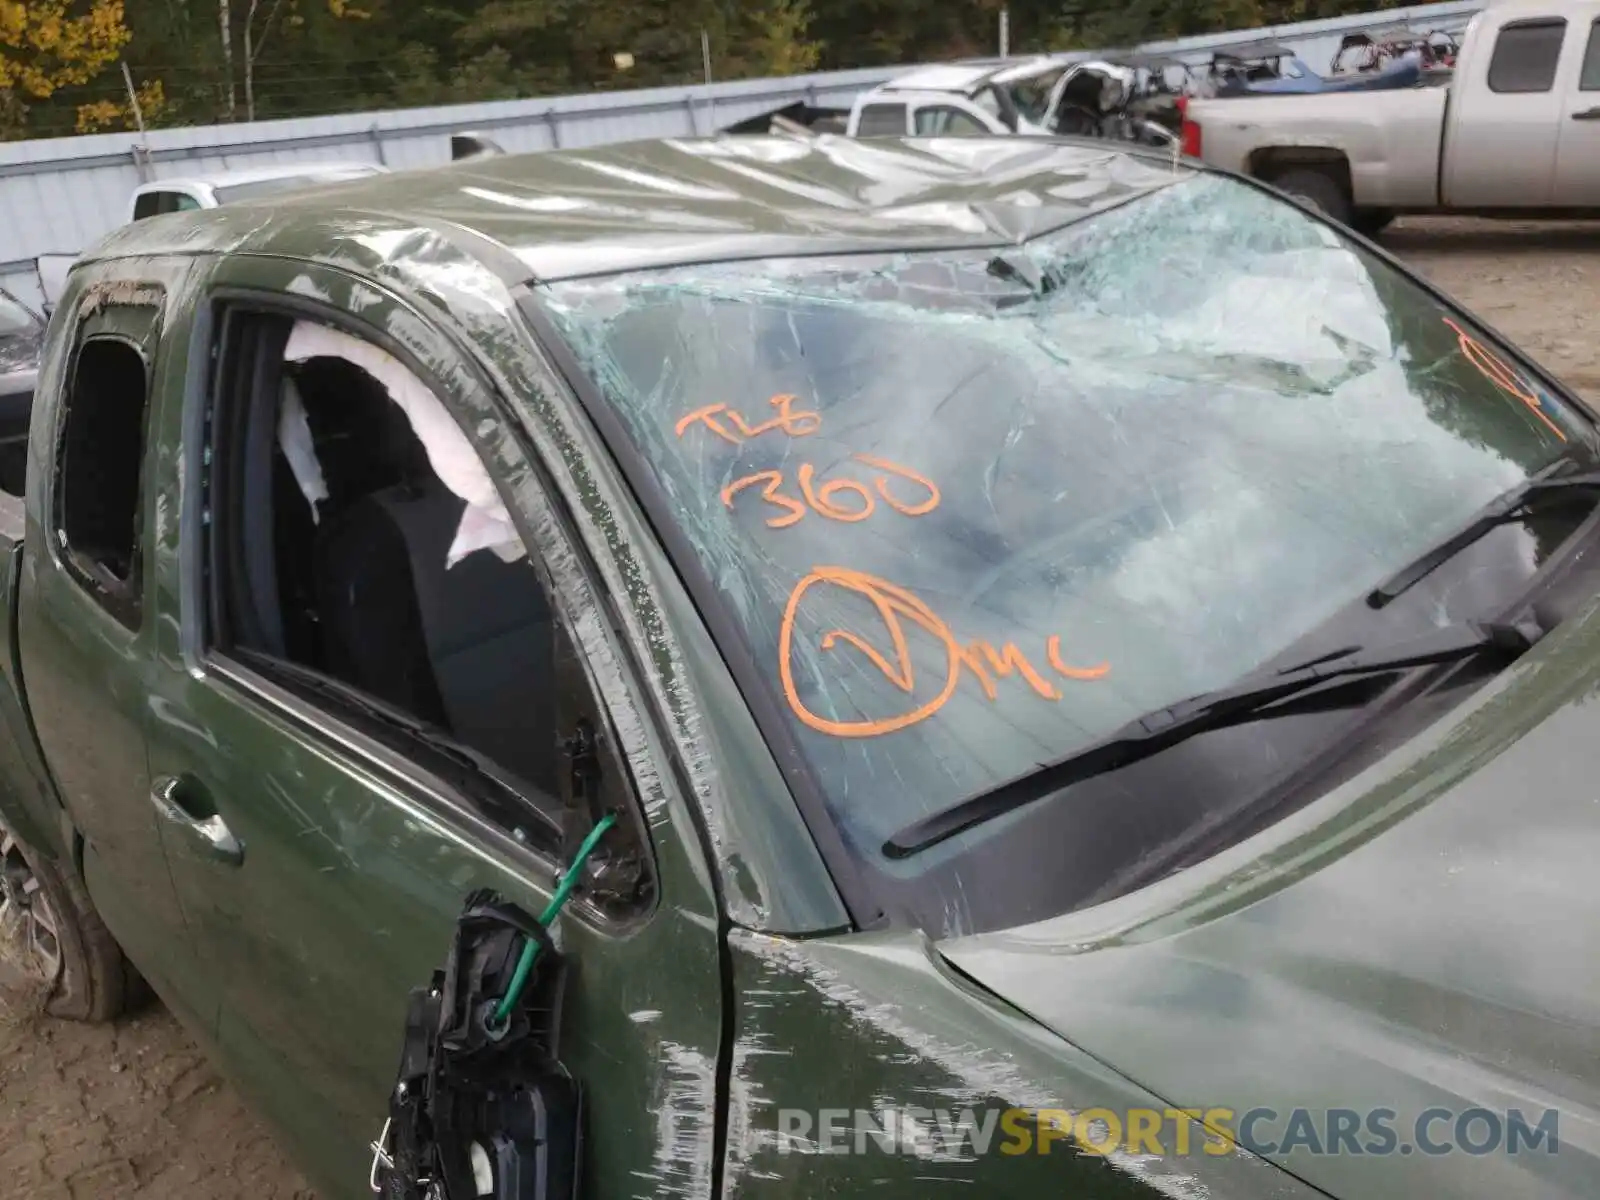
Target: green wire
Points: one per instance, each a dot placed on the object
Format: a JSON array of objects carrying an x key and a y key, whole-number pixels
[{"x": 530, "y": 948}]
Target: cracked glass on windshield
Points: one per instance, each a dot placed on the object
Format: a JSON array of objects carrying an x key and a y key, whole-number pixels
[{"x": 974, "y": 509}]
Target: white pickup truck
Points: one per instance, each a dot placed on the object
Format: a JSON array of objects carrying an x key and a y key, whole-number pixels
[
  {"x": 1515, "y": 132},
  {"x": 225, "y": 187}
]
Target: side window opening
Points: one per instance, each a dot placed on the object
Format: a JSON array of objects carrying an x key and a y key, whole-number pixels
[
  {"x": 1526, "y": 55},
  {"x": 98, "y": 487},
  {"x": 882, "y": 120},
  {"x": 944, "y": 121},
  {"x": 359, "y": 551},
  {"x": 149, "y": 204}
]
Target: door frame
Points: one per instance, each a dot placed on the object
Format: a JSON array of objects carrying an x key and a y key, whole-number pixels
[{"x": 686, "y": 896}]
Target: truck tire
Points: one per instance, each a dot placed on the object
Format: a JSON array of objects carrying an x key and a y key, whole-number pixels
[
  {"x": 1319, "y": 190},
  {"x": 54, "y": 950}
]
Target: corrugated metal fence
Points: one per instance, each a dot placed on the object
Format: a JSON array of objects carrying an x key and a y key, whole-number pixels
[{"x": 59, "y": 195}]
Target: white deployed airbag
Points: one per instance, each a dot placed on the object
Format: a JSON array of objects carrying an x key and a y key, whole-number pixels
[{"x": 486, "y": 525}]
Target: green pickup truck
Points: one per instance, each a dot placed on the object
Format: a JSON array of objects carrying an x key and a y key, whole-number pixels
[{"x": 1087, "y": 671}]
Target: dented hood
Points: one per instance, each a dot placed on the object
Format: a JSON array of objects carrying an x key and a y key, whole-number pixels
[{"x": 1427, "y": 936}]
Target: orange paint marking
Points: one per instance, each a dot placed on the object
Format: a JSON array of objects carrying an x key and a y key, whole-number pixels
[
  {"x": 896, "y": 609},
  {"x": 1052, "y": 649},
  {"x": 890, "y": 468},
  {"x": 1500, "y": 373},
  {"x": 821, "y": 498},
  {"x": 774, "y": 480},
  {"x": 1003, "y": 662},
  {"x": 707, "y": 416},
  {"x": 795, "y": 424}
]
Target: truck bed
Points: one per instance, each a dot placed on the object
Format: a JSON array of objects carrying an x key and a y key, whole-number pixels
[{"x": 1392, "y": 140}]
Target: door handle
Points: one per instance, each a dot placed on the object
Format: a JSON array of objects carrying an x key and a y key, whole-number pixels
[
  {"x": 1588, "y": 114},
  {"x": 174, "y": 798}
]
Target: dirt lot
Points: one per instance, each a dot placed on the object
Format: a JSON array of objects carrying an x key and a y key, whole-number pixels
[{"x": 132, "y": 1111}]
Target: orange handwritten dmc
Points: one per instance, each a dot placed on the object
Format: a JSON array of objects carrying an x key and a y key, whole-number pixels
[
  {"x": 846, "y": 500},
  {"x": 897, "y": 609},
  {"x": 1500, "y": 373},
  {"x": 719, "y": 417}
]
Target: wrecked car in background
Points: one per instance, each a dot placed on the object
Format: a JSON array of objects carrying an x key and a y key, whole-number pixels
[
  {"x": 21, "y": 336},
  {"x": 1038, "y": 639}
]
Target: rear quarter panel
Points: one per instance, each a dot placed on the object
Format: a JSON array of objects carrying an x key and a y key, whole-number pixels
[{"x": 1391, "y": 140}]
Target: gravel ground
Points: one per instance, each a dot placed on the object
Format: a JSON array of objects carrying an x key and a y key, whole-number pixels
[{"x": 132, "y": 1111}]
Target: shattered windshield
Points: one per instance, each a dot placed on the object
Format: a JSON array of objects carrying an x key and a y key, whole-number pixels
[{"x": 975, "y": 509}]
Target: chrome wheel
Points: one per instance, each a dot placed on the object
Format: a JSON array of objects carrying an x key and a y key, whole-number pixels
[{"x": 30, "y": 938}]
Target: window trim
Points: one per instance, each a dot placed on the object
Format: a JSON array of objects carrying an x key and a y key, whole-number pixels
[
  {"x": 329, "y": 724},
  {"x": 1590, "y": 60},
  {"x": 1528, "y": 23},
  {"x": 935, "y": 106},
  {"x": 122, "y": 599},
  {"x": 334, "y": 734}
]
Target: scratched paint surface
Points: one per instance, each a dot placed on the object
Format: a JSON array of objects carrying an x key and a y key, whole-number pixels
[{"x": 974, "y": 510}]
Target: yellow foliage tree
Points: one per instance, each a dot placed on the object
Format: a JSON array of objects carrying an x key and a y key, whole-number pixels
[
  {"x": 50, "y": 44},
  {"x": 106, "y": 114}
]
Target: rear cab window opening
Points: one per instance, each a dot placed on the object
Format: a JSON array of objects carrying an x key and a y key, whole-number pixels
[
  {"x": 99, "y": 485},
  {"x": 362, "y": 559},
  {"x": 973, "y": 510}
]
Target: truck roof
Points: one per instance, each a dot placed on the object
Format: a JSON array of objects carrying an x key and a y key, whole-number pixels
[
  {"x": 968, "y": 77},
  {"x": 566, "y": 213}
]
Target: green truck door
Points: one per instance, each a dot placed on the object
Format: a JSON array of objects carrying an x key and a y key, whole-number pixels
[
  {"x": 347, "y": 857},
  {"x": 84, "y": 625}
]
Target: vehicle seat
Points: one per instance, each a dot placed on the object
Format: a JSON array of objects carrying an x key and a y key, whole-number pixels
[{"x": 469, "y": 648}]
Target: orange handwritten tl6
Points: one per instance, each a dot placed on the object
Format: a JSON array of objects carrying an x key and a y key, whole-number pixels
[
  {"x": 896, "y": 610},
  {"x": 730, "y": 426}
]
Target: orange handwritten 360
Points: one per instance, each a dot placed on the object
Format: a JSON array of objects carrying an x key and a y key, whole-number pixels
[
  {"x": 729, "y": 425},
  {"x": 839, "y": 499},
  {"x": 896, "y": 610},
  {"x": 1502, "y": 374}
]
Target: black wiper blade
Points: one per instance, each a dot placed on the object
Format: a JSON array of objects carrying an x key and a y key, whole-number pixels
[
  {"x": 1239, "y": 702},
  {"x": 1512, "y": 505}
]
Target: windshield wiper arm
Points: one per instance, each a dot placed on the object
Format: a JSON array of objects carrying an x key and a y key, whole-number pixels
[
  {"x": 1508, "y": 506},
  {"x": 1239, "y": 702}
]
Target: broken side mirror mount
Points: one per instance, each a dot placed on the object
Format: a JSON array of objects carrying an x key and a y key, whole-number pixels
[{"x": 482, "y": 1107}]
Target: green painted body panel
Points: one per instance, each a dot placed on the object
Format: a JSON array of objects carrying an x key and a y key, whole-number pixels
[
  {"x": 742, "y": 994},
  {"x": 351, "y": 882},
  {"x": 902, "y": 1031},
  {"x": 88, "y": 677}
]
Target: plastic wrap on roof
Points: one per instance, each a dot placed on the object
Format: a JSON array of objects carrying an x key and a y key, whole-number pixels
[{"x": 485, "y": 525}]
